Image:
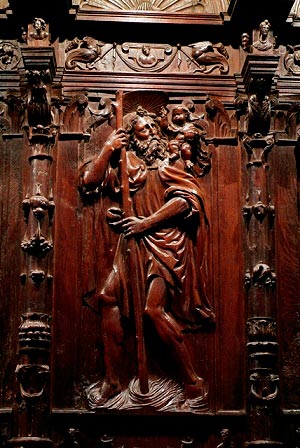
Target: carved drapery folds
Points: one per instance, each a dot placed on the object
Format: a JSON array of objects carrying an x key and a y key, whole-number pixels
[{"x": 199, "y": 58}]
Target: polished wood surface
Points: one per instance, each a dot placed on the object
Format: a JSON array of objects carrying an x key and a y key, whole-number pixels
[{"x": 149, "y": 193}]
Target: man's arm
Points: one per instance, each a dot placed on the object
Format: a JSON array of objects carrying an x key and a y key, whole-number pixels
[
  {"x": 95, "y": 172},
  {"x": 174, "y": 207}
]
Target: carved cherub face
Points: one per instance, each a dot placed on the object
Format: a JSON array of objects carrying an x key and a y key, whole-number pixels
[
  {"x": 179, "y": 116},
  {"x": 144, "y": 128}
]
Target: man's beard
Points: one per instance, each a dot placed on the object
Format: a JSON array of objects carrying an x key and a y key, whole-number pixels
[{"x": 149, "y": 150}]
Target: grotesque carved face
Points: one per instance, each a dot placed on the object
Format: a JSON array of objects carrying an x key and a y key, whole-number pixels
[{"x": 144, "y": 128}]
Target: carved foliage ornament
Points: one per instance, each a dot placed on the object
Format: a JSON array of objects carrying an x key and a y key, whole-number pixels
[{"x": 199, "y": 58}]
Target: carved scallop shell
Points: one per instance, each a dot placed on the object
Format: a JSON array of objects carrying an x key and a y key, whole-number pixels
[
  {"x": 171, "y": 6},
  {"x": 152, "y": 101}
]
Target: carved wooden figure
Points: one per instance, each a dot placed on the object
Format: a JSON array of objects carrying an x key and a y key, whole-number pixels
[{"x": 162, "y": 229}]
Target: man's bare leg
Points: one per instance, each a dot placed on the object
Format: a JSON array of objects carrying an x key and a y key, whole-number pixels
[{"x": 170, "y": 333}]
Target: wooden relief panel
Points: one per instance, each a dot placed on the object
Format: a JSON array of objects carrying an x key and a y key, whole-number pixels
[
  {"x": 149, "y": 220},
  {"x": 145, "y": 302}
]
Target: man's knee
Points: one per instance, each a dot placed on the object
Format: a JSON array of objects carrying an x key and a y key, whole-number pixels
[{"x": 106, "y": 299}]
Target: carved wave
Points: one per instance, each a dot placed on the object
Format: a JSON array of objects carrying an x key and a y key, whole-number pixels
[{"x": 164, "y": 395}]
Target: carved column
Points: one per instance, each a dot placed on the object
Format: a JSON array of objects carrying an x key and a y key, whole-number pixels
[
  {"x": 32, "y": 404},
  {"x": 260, "y": 277}
]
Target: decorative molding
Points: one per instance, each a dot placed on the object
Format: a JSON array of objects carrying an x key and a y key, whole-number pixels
[{"x": 260, "y": 328}]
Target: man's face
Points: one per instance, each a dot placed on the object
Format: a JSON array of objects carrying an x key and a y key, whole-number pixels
[{"x": 144, "y": 128}]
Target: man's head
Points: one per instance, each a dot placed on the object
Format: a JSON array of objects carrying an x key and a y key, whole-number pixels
[
  {"x": 144, "y": 127},
  {"x": 145, "y": 138}
]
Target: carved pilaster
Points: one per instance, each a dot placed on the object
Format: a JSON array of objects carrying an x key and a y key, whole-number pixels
[
  {"x": 255, "y": 105},
  {"x": 32, "y": 404}
]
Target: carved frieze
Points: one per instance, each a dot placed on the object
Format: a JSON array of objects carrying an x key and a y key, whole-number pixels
[{"x": 199, "y": 58}]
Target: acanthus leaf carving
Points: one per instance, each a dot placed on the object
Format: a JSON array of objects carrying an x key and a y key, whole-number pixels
[{"x": 219, "y": 117}]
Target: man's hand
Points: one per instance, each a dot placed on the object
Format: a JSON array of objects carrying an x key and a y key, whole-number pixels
[
  {"x": 117, "y": 140},
  {"x": 134, "y": 226}
]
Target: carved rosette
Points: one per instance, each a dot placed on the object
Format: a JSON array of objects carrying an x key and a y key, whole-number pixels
[{"x": 9, "y": 55}]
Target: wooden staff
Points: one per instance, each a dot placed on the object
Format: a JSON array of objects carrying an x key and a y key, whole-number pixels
[{"x": 134, "y": 265}]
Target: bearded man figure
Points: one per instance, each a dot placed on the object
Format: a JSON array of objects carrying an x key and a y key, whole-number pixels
[{"x": 168, "y": 217}]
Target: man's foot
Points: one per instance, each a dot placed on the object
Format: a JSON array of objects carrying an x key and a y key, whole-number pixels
[
  {"x": 106, "y": 391},
  {"x": 196, "y": 389}
]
